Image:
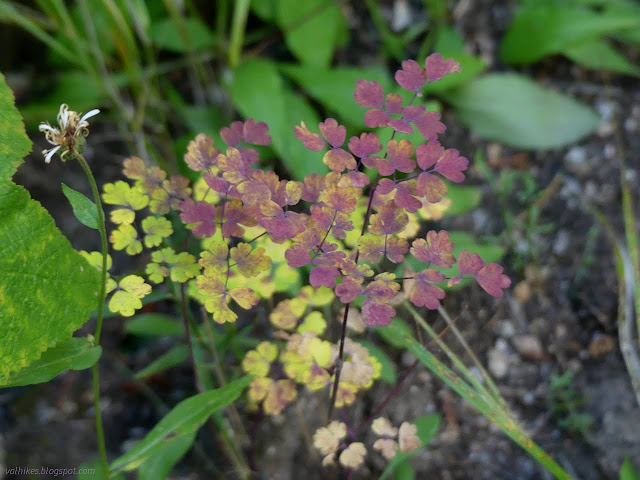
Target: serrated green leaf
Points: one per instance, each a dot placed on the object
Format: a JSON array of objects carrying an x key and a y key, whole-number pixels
[
  {"x": 184, "y": 419},
  {"x": 428, "y": 426},
  {"x": 175, "y": 356},
  {"x": 83, "y": 208},
  {"x": 47, "y": 289},
  {"x": 311, "y": 29},
  {"x": 72, "y": 354},
  {"x": 388, "y": 372},
  {"x": 282, "y": 109},
  {"x": 627, "y": 472},
  {"x": 541, "y": 30},
  {"x": 334, "y": 88},
  {"x": 153, "y": 324},
  {"x": 162, "y": 461},
  {"x": 516, "y": 111},
  {"x": 599, "y": 55}
]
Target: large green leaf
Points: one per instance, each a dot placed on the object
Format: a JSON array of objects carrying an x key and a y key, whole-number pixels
[
  {"x": 312, "y": 29},
  {"x": 516, "y": 111},
  {"x": 627, "y": 472},
  {"x": 258, "y": 92},
  {"x": 334, "y": 87},
  {"x": 165, "y": 34},
  {"x": 153, "y": 324},
  {"x": 175, "y": 356},
  {"x": 184, "y": 419},
  {"x": 163, "y": 459},
  {"x": 541, "y": 30},
  {"x": 599, "y": 55},
  {"x": 72, "y": 354},
  {"x": 47, "y": 289}
]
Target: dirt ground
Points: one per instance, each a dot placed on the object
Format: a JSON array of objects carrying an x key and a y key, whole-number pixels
[{"x": 560, "y": 315}]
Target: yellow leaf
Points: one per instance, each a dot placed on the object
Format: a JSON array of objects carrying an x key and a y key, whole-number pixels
[
  {"x": 156, "y": 228},
  {"x": 126, "y": 238},
  {"x": 250, "y": 262},
  {"x": 126, "y": 300},
  {"x": 244, "y": 297}
]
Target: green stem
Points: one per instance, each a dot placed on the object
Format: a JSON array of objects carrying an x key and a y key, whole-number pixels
[
  {"x": 99, "y": 315},
  {"x": 239, "y": 22}
]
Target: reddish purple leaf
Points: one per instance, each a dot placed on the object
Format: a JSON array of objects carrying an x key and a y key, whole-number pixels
[
  {"x": 411, "y": 77},
  {"x": 424, "y": 293},
  {"x": 382, "y": 288},
  {"x": 414, "y": 112},
  {"x": 355, "y": 179},
  {"x": 334, "y": 133},
  {"x": 281, "y": 224},
  {"x": 297, "y": 256},
  {"x": 393, "y": 104},
  {"x": 437, "y": 68},
  {"x": 313, "y": 185},
  {"x": 368, "y": 144},
  {"x": 389, "y": 220},
  {"x": 323, "y": 277},
  {"x": 401, "y": 126},
  {"x": 312, "y": 141},
  {"x": 469, "y": 264},
  {"x": 383, "y": 165},
  {"x": 234, "y": 215},
  {"x": 386, "y": 186},
  {"x": 217, "y": 184},
  {"x": 405, "y": 196},
  {"x": 396, "y": 249},
  {"x": 348, "y": 290},
  {"x": 338, "y": 159},
  {"x": 430, "y": 187},
  {"x": 436, "y": 249},
  {"x": 428, "y": 154},
  {"x": 233, "y": 134},
  {"x": 201, "y": 214},
  {"x": 376, "y": 118},
  {"x": 368, "y": 94},
  {"x": 256, "y": 133},
  {"x": 430, "y": 125},
  {"x": 399, "y": 153},
  {"x": 492, "y": 280},
  {"x": 377, "y": 314},
  {"x": 451, "y": 165}
]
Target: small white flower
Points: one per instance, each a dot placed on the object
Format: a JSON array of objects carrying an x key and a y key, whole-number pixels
[{"x": 70, "y": 133}]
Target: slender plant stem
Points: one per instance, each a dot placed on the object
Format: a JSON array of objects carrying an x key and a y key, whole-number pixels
[
  {"x": 239, "y": 22},
  {"x": 99, "y": 314},
  {"x": 218, "y": 431},
  {"x": 387, "y": 399}
]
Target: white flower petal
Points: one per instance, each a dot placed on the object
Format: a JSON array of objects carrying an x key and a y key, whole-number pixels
[
  {"x": 43, "y": 126},
  {"x": 47, "y": 159},
  {"x": 89, "y": 114}
]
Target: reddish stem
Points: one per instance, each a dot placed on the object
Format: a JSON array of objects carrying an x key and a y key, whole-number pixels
[{"x": 387, "y": 399}]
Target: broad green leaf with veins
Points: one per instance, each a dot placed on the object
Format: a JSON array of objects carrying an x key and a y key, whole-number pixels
[{"x": 47, "y": 289}]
